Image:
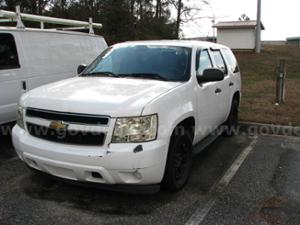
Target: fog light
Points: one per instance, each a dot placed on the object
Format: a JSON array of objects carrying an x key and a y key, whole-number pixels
[{"x": 97, "y": 175}]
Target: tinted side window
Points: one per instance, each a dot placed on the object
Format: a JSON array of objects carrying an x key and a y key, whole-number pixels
[
  {"x": 203, "y": 62},
  {"x": 233, "y": 65},
  {"x": 8, "y": 52},
  {"x": 220, "y": 63}
]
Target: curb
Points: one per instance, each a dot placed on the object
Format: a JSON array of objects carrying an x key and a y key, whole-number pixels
[{"x": 264, "y": 129}]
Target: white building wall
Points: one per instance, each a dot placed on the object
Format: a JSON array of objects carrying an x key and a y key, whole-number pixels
[{"x": 237, "y": 38}]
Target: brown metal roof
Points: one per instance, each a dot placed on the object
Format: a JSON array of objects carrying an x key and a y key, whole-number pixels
[{"x": 238, "y": 24}]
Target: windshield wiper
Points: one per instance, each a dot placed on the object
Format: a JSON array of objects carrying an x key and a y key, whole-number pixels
[
  {"x": 100, "y": 74},
  {"x": 144, "y": 75}
]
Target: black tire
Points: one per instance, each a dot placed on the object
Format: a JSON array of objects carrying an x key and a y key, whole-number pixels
[
  {"x": 179, "y": 162},
  {"x": 230, "y": 126}
]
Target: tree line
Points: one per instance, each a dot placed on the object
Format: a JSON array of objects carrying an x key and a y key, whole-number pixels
[{"x": 122, "y": 19}]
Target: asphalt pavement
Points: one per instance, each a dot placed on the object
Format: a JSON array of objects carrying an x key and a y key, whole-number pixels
[{"x": 264, "y": 190}]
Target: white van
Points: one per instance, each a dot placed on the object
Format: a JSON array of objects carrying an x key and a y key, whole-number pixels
[{"x": 33, "y": 57}]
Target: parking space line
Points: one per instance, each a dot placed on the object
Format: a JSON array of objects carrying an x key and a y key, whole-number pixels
[{"x": 201, "y": 212}]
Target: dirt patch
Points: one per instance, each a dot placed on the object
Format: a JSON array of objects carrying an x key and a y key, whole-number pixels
[
  {"x": 268, "y": 211},
  {"x": 273, "y": 202},
  {"x": 271, "y": 219}
]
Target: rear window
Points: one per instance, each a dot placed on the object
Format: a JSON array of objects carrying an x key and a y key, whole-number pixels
[
  {"x": 231, "y": 60},
  {"x": 8, "y": 52},
  {"x": 220, "y": 63}
]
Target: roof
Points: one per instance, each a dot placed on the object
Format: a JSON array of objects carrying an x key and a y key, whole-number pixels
[
  {"x": 293, "y": 38},
  {"x": 238, "y": 24},
  {"x": 177, "y": 43}
]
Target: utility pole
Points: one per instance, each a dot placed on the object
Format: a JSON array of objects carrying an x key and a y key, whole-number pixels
[
  {"x": 213, "y": 25},
  {"x": 258, "y": 28}
]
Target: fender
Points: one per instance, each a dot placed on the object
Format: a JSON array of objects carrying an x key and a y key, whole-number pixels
[{"x": 172, "y": 108}]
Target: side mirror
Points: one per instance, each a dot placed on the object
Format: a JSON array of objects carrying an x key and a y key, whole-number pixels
[
  {"x": 81, "y": 68},
  {"x": 210, "y": 75}
]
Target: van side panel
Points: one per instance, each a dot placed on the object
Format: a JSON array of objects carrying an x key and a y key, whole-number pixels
[
  {"x": 10, "y": 84},
  {"x": 53, "y": 56},
  {"x": 10, "y": 91},
  {"x": 44, "y": 57}
]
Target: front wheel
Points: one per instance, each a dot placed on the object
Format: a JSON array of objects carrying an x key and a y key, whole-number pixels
[
  {"x": 230, "y": 126},
  {"x": 179, "y": 162}
]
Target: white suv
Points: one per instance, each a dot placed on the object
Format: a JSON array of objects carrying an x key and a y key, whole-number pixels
[{"x": 134, "y": 116}]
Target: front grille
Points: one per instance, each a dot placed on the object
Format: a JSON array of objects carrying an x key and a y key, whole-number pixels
[
  {"x": 67, "y": 117},
  {"x": 66, "y": 136}
]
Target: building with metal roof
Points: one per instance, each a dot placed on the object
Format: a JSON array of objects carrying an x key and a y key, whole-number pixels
[{"x": 237, "y": 34}]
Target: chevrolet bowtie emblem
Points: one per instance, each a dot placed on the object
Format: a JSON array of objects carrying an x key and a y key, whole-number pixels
[{"x": 58, "y": 125}]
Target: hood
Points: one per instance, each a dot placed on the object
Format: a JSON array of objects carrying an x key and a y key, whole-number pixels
[{"x": 97, "y": 95}]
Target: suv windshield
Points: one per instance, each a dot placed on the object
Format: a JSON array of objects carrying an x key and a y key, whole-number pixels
[{"x": 167, "y": 63}]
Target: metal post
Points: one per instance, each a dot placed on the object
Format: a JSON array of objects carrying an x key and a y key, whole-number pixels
[
  {"x": 20, "y": 24},
  {"x": 91, "y": 30},
  {"x": 280, "y": 84},
  {"x": 42, "y": 25},
  {"x": 258, "y": 28}
]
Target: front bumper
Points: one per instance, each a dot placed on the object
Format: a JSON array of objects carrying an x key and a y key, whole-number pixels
[{"x": 111, "y": 164}]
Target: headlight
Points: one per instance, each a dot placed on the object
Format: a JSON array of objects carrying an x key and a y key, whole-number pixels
[
  {"x": 135, "y": 129},
  {"x": 20, "y": 120}
]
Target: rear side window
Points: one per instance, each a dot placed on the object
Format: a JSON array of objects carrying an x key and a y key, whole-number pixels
[
  {"x": 231, "y": 60},
  {"x": 220, "y": 63},
  {"x": 203, "y": 61},
  {"x": 8, "y": 52}
]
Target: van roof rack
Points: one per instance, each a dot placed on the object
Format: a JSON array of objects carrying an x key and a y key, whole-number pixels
[{"x": 8, "y": 16}]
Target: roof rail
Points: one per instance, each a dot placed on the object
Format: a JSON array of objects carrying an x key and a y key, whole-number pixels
[{"x": 8, "y": 16}]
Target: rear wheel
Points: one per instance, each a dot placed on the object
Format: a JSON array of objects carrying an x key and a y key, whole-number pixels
[
  {"x": 230, "y": 126},
  {"x": 179, "y": 162}
]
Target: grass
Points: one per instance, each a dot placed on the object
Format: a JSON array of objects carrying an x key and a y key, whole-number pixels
[{"x": 259, "y": 86}]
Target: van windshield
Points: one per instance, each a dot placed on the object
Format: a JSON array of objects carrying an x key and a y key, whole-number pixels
[{"x": 167, "y": 63}]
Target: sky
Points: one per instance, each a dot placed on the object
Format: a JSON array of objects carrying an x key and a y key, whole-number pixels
[{"x": 280, "y": 18}]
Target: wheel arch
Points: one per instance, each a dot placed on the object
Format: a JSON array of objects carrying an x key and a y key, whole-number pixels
[
  {"x": 237, "y": 95},
  {"x": 187, "y": 124}
]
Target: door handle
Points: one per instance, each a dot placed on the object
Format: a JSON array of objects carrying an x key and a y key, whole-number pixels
[
  {"x": 218, "y": 90},
  {"x": 24, "y": 86},
  {"x": 231, "y": 84}
]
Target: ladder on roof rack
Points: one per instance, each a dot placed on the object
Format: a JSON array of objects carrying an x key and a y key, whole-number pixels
[{"x": 8, "y": 16}]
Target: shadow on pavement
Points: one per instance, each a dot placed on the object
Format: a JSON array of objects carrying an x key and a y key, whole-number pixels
[
  {"x": 6, "y": 149},
  {"x": 208, "y": 167}
]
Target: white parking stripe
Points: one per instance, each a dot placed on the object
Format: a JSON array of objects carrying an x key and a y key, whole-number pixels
[{"x": 201, "y": 212}]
